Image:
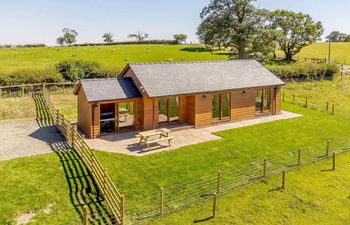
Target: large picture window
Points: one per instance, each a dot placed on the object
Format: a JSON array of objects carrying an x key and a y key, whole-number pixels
[{"x": 263, "y": 101}]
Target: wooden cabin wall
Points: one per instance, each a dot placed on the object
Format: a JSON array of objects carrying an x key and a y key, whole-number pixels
[
  {"x": 243, "y": 104},
  {"x": 84, "y": 114},
  {"x": 203, "y": 110}
]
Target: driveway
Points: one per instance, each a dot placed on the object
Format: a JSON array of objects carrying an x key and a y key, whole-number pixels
[{"x": 26, "y": 138}]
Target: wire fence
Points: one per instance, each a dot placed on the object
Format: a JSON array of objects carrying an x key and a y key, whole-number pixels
[
  {"x": 30, "y": 89},
  {"x": 173, "y": 198},
  {"x": 330, "y": 107}
]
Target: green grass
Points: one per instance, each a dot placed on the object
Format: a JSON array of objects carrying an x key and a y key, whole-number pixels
[
  {"x": 339, "y": 52},
  {"x": 116, "y": 57},
  {"x": 58, "y": 181},
  {"x": 31, "y": 184},
  {"x": 108, "y": 56},
  {"x": 310, "y": 197},
  {"x": 17, "y": 108}
]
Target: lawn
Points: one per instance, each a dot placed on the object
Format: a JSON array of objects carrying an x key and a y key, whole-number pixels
[
  {"x": 310, "y": 197},
  {"x": 52, "y": 188},
  {"x": 115, "y": 57}
]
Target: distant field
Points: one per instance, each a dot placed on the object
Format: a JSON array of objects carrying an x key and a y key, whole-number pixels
[
  {"x": 340, "y": 52},
  {"x": 116, "y": 56}
]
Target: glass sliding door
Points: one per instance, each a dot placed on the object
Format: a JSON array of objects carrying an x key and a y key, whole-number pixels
[
  {"x": 221, "y": 107},
  {"x": 163, "y": 110},
  {"x": 174, "y": 108},
  {"x": 126, "y": 114},
  {"x": 225, "y": 106},
  {"x": 263, "y": 101},
  {"x": 168, "y": 109},
  {"x": 216, "y": 108}
]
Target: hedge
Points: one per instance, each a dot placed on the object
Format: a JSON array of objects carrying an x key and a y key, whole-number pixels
[
  {"x": 145, "y": 42},
  {"x": 30, "y": 76},
  {"x": 304, "y": 71}
]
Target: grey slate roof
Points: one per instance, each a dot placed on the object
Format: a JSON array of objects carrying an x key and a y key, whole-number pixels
[
  {"x": 166, "y": 79},
  {"x": 109, "y": 89}
]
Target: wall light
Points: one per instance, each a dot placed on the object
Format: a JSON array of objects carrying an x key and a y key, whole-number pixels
[
  {"x": 204, "y": 97},
  {"x": 244, "y": 92}
]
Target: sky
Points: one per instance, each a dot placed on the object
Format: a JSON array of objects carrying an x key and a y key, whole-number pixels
[{"x": 42, "y": 21}]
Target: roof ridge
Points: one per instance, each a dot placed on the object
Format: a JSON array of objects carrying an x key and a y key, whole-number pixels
[{"x": 188, "y": 62}]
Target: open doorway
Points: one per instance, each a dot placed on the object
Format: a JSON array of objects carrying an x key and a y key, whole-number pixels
[{"x": 107, "y": 118}]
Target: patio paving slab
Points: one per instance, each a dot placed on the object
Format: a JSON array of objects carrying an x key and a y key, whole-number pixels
[{"x": 127, "y": 143}]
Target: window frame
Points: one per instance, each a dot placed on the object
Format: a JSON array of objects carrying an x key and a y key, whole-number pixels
[{"x": 262, "y": 110}]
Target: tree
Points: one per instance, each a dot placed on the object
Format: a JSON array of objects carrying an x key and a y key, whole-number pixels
[
  {"x": 296, "y": 30},
  {"x": 70, "y": 36},
  {"x": 139, "y": 36},
  {"x": 347, "y": 38},
  {"x": 336, "y": 36},
  {"x": 60, "y": 41},
  {"x": 180, "y": 38},
  {"x": 233, "y": 23},
  {"x": 108, "y": 37}
]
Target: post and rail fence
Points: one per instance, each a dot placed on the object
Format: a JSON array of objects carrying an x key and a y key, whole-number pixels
[
  {"x": 111, "y": 195},
  {"x": 29, "y": 89}
]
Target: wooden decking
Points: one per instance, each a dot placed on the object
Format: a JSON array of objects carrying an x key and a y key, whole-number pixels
[{"x": 127, "y": 143}]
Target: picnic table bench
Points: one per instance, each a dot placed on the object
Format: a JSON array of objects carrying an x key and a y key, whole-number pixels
[{"x": 163, "y": 135}]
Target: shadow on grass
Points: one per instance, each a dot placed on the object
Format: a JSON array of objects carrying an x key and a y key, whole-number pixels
[{"x": 83, "y": 191}]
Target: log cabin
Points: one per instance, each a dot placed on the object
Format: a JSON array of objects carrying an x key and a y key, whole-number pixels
[{"x": 150, "y": 95}]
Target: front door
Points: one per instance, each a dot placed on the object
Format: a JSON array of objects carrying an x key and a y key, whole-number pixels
[{"x": 221, "y": 107}]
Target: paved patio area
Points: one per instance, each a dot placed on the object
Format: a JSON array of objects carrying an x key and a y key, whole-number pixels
[{"x": 127, "y": 143}]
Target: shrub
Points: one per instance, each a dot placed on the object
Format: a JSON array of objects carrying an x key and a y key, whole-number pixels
[
  {"x": 304, "y": 71},
  {"x": 73, "y": 70},
  {"x": 30, "y": 76}
]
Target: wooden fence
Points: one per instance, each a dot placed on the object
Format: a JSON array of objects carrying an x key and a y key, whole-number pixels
[
  {"x": 28, "y": 89},
  {"x": 110, "y": 194}
]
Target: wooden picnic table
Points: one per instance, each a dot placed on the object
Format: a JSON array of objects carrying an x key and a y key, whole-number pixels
[{"x": 145, "y": 135}]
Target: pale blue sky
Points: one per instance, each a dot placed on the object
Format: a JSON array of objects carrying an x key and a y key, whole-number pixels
[{"x": 41, "y": 21}]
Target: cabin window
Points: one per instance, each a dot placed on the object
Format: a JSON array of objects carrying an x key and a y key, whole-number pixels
[{"x": 263, "y": 101}]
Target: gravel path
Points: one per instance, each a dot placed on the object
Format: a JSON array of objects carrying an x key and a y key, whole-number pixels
[{"x": 26, "y": 138}]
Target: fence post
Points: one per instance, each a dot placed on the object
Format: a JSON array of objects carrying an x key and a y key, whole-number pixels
[
  {"x": 161, "y": 201},
  {"x": 22, "y": 91},
  {"x": 327, "y": 148},
  {"x": 264, "y": 168},
  {"x": 299, "y": 156},
  {"x": 327, "y": 106},
  {"x": 0, "y": 92},
  {"x": 306, "y": 102},
  {"x": 333, "y": 168},
  {"x": 293, "y": 98},
  {"x": 214, "y": 204},
  {"x": 74, "y": 130},
  {"x": 122, "y": 204},
  {"x": 283, "y": 178},
  {"x": 218, "y": 182},
  {"x": 85, "y": 215},
  {"x": 283, "y": 97},
  {"x": 57, "y": 117},
  {"x": 333, "y": 109}
]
